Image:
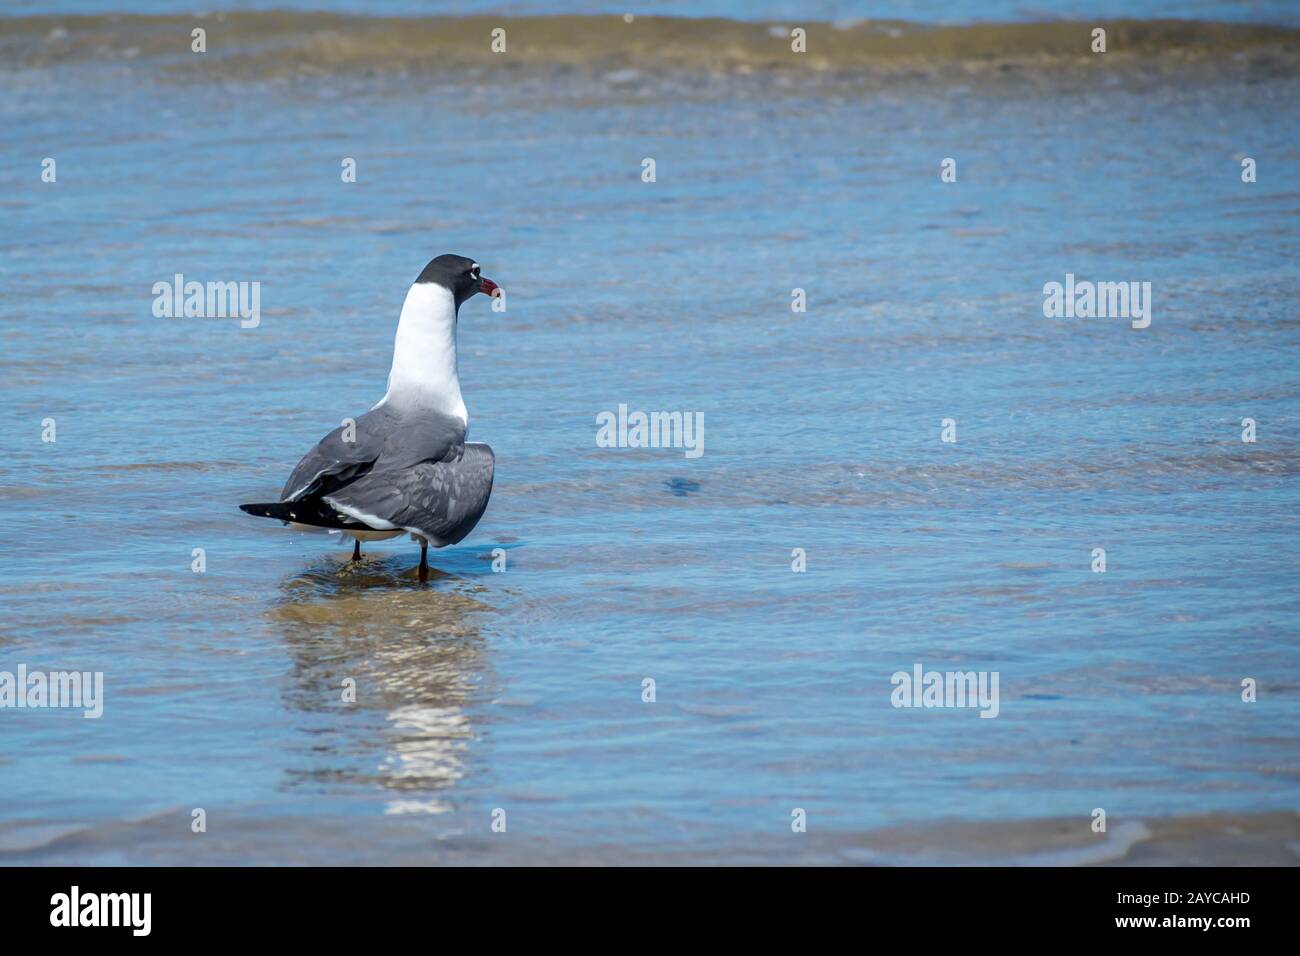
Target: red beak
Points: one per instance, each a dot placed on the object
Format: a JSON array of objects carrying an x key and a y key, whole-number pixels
[{"x": 488, "y": 287}]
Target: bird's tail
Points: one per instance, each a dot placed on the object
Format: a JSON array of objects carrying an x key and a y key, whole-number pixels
[{"x": 315, "y": 513}]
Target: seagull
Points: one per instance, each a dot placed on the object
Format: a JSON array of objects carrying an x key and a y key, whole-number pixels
[{"x": 404, "y": 466}]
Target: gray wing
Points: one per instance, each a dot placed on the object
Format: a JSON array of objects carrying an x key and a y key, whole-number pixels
[
  {"x": 441, "y": 501},
  {"x": 384, "y": 437}
]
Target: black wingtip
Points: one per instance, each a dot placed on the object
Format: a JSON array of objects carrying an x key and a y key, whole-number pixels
[
  {"x": 312, "y": 512},
  {"x": 260, "y": 510}
]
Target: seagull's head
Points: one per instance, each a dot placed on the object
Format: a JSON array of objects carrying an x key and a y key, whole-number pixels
[{"x": 459, "y": 274}]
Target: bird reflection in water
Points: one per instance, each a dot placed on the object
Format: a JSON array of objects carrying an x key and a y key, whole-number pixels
[{"x": 417, "y": 657}]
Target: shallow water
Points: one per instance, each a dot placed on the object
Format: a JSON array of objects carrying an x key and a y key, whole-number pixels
[{"x": 522, "y": 690}]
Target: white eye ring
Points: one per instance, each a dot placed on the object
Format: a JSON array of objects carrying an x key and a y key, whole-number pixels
[{"x": 474, "y": 270}]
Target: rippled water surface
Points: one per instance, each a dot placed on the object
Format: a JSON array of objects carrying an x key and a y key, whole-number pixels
[{"x": 522, "y": 690}]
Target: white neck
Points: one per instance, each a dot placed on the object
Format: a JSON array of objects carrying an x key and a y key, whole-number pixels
[{"x": 424, "y": 352}]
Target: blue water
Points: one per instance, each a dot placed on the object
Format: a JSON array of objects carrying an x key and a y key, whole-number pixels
[{"x": 522, "y": 690}]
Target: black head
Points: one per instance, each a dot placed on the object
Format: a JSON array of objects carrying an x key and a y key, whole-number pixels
[{"x": 458, "y": 274}]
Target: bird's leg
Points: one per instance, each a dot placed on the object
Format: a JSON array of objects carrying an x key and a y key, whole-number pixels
[
  {"x": 424, "y": 561},
  {"x": 356, "y": 550}
]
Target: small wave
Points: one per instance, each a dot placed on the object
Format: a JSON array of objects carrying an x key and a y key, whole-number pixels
[
  {"x": 253, "y": 45},
  {"x": 1108, "y": 848}
]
